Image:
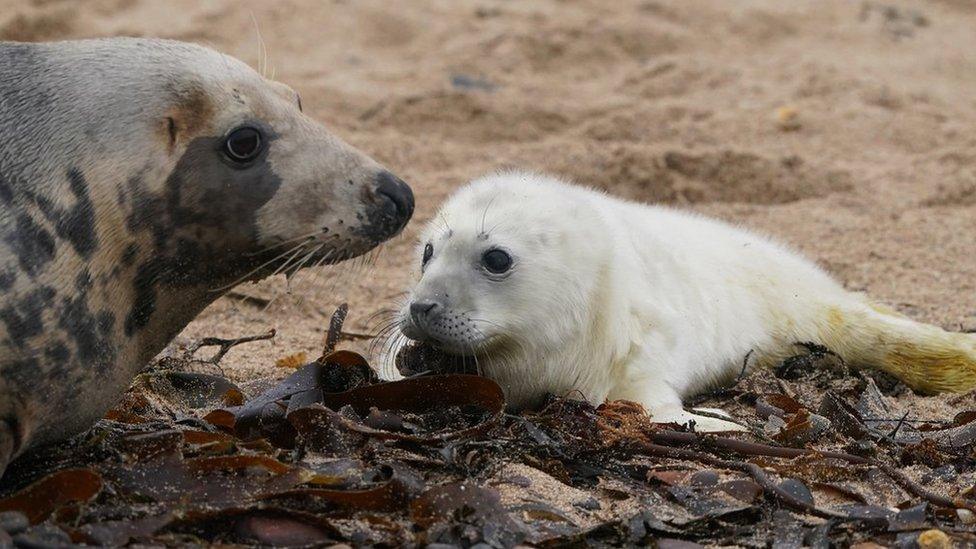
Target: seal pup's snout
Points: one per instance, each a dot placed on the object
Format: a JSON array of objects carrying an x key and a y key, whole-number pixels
[
  {"x": 423, "y": 311},
  {"x": 432, "y": 319},
  {"x": 393, "y": 201}
]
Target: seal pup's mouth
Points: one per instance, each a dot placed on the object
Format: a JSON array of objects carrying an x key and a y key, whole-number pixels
[
  {"x": 423, "y": 357},
  {"x": 456, "y": 334}
]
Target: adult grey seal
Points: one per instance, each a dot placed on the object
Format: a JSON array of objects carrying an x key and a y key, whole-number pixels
[{"x": 139, "y": 179}]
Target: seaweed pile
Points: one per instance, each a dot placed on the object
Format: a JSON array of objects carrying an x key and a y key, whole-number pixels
[{"x": 330, "y": 455}]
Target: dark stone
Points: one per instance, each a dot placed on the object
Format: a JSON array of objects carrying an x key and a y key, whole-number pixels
[{"x": 13, "y": 522}]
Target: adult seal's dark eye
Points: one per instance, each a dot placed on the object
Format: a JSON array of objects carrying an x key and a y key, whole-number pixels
[
  {"x": 497, "y": 261},
  {"x": 243, "y": 145},
  {"x": 428, "y": 253}
]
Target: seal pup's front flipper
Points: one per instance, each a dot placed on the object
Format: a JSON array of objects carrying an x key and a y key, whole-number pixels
[
  {"x": 663, "y": 404},
  {"x": 701, "y": 423}
]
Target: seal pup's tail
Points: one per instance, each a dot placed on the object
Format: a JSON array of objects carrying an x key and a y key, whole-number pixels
[{"x": 925, "y": 357}]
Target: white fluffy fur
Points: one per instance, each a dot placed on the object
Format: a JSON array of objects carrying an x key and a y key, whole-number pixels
[{"x": 610, "y": 298}]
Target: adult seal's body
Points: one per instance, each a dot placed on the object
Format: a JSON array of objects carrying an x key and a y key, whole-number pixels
[
  {"x": 561, "y": 289},
  {"x": 138, "y": 178}
]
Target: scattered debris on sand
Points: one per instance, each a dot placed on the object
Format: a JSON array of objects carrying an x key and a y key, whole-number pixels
[{"x": 332, "y": 455}]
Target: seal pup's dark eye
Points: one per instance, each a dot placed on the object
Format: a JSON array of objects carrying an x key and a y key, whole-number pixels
[
  {"x": 428, "y": 253},
  {"x": 497, "y": 261},
  {"x": 243, "y": 144}
]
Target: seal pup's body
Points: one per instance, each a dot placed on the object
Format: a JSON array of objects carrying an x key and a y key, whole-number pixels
[
  {"x": 140, "y": 179},
  {"x": 619, "y": 300}
]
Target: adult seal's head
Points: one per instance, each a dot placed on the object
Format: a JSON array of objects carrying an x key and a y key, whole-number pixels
[
  {"x": 138, "y": 180},
  {"x": 508, "y": 276}
]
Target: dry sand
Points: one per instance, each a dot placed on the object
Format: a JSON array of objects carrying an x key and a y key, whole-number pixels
[{"x": 844, "y": 128}]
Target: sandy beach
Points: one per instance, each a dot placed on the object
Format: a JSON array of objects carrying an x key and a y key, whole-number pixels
[{"x": 842, "y": 128}]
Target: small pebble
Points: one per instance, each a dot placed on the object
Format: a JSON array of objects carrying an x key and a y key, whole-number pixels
[
  {"x": 788, "y": 118},
  {"x": 704, "y": 478},
  {"x": 934, "y": 539},
  {"x": 966, "y": 516},
  {"x": 589, "y": 504},
  {"x": 13, "y": 522},
  {"x": 798, "y": 490},
  {"x": 43, "y": 536},
  {"x": 465, "y": 82}
]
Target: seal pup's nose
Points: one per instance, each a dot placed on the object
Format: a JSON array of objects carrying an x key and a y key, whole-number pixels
[
  {"x": 422, "y": 310},
  {"x": 398, "y": 194}
]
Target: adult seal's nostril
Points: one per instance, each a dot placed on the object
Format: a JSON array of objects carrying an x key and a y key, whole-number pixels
[
  {"x": 391, "y": 209},
  {"x": 422, "y": 310},
  {"x": 398, "y": 192}
]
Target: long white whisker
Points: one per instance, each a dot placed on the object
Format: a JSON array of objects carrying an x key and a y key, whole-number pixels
[
  {"x": 288, "y": 261},
  {"x": 308, "y": 236},
  {"x": 258, "y": 268},
  {"x": 301, "y": 264}
]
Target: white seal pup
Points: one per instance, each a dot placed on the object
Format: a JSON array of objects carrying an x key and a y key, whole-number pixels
[
  {"x": 140, "y": 179},
  {"x": 557, "y": 288}
]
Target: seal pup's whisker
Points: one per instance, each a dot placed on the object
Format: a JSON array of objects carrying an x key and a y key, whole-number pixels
[
  {"x": 399, "y": 340},
  {"x": 388, "y": 312},
  {"x": 447, "y": 226},
  {"x": 484, "y": 216},
  {"x": 383, "y": 330},
  {"x": 474, "y": 355},
  {"x": 389, "y": 344}
]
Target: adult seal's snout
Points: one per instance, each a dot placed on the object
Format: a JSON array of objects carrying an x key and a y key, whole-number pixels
[{"x": 394, "y": 201}]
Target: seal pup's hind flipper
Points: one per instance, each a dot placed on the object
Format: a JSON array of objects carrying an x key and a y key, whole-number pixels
[{"x": 925, "y": 357}]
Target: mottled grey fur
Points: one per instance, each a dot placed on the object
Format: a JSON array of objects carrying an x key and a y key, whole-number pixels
[{"x": 120, "y": 218}]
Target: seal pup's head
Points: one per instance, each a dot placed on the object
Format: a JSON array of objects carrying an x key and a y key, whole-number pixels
[{"x": 508, "y": 272}]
